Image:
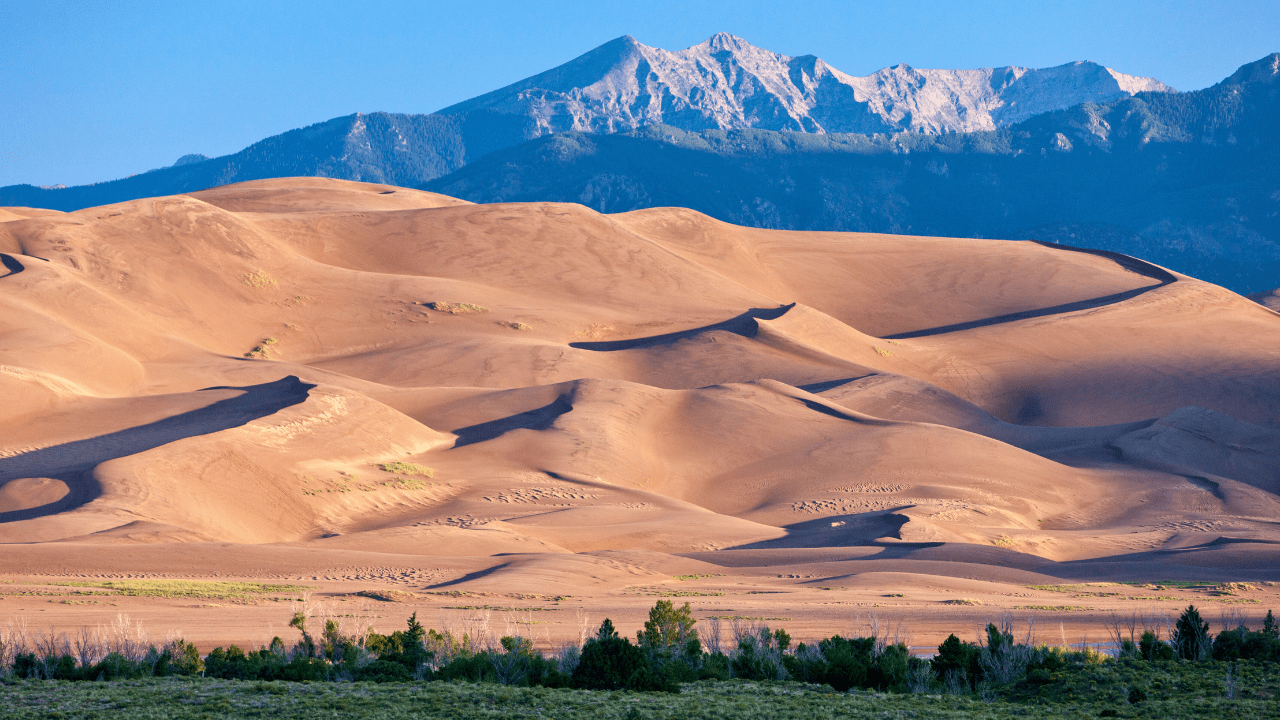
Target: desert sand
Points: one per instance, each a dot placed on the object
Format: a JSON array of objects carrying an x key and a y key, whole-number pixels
[{"x": 803, "y": 429}]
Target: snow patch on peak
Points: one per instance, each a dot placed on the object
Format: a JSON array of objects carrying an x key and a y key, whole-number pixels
[{"x": 1133, "y": 84}]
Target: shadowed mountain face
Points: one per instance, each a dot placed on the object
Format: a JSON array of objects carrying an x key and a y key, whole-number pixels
[{"x": 722, "y": 83}]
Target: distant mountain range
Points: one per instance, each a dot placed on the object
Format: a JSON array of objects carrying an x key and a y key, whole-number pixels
[
  {"x": 1078, "y": 153},
  {"x": 723, "y": 83}
]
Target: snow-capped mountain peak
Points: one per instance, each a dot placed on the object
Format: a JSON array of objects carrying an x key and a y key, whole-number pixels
[{"x": 726, "y": 82}]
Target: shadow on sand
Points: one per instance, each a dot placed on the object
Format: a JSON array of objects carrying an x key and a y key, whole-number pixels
[
  {"x": 744, "y": 325},
  {"x": 73, "y": 462},
  {"x": 1134, "y": 265}
]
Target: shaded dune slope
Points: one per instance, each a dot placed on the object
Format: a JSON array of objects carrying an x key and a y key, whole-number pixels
[{"x": 279, "y": 362}]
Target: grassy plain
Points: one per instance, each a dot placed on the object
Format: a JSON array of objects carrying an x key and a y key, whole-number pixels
[{"x": 1182, "y": 692}]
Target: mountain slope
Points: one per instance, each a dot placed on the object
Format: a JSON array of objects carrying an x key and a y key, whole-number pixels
[{"x": 1188, "y": 180}]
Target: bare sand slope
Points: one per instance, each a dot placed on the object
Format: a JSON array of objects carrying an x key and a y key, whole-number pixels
[{"x": 537, "y": 399}]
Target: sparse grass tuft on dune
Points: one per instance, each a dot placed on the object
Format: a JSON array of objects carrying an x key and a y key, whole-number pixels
[
  {"x": 1231, "y": 588},
  {"x": 258, "y": 280},
  {"x": 263, "y": 350},
  {"x": 389, "y": 595},
  {"x": 455, "y": 308},
  {"x": 405, "y": 468}
]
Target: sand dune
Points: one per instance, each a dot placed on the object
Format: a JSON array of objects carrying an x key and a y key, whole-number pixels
[{"x": 539, "y": 399}]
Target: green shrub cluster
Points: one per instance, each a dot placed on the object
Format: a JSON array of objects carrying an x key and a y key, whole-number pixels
[{"x": 666, "y": 654}]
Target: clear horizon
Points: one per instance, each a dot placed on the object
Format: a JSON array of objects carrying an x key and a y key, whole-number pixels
[{"x": 97, "y": 92}]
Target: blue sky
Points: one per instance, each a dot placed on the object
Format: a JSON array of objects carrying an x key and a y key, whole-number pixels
[{"x": 99, "y": 90}]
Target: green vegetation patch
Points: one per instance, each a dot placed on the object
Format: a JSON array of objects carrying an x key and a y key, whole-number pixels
[
  {"x": 192, "y": 698},
  {"x": 350, "y": 482},
  {"x": 1165, "y": 584},
  {"x": 1054, "y": 608},
  {"x": 1081, "y": 587},
  {"x": 405, "y": 468},
  {"x": 209, "y": 590},
  {"x": 497, "y": 608},
  {"x": 667, "y": 592},
  {"x": 263, "y": 350},
  {"x": 696, "y": 576},
  {"x": 389, "y": 595}
]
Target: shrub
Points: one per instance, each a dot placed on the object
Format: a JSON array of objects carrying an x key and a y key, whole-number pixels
[
  {"x": 609, "y": 661},
  {"x": 758, "y": 657},
  {"x": 670, "y": 631},
  {"x": 845, "y": 663},
  {"x": 180, "y": 658},
  {"x": 1152, "y": 648},
  {"x": 116, "y": 667},
  {"x": 406, "y": 468},
  {"x": 956, "y": 656},
  {"x": 381, "y": 671},
  {"x": 891, "y": 668},
  {"x": 648, "y": 679},
  {"x": 546, "y": 672},
  {"x": 469, "y": 668},
  {"x": 26, "y": 665},
  {"x": 848, "y": 661},
  {"x": 407, "y": 647},
  {"x": 715, "y": 666},
  {"x": 1241, "y": 643},
  {"x": 300, "y": 669}
]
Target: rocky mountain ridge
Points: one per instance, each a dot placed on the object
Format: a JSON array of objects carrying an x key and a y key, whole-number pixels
[{"x": 727, "y": 83}]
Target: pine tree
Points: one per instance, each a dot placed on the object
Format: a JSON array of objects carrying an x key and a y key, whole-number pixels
[
  {"x": 606, "y": 630},
  {"x": 1269, "y": 626},
  {"x": 1191, "y": 635}
]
